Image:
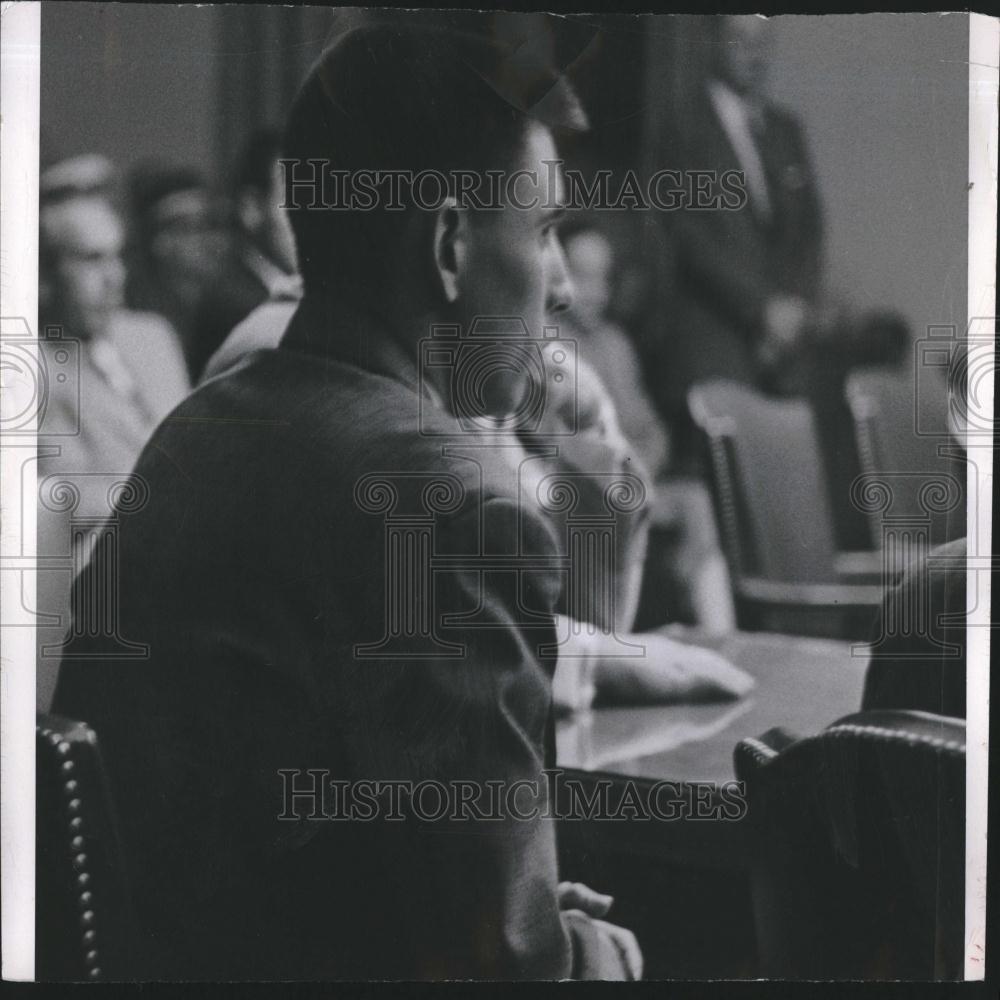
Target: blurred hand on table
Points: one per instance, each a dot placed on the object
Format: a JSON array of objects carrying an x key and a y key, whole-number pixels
[{"x": 670, "y": 671}]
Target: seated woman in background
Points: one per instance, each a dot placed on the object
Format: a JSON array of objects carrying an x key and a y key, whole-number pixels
[
  {"x": 605, "y": 658},
  {"x": 687, "y": 580},
  {"x": 606, "y": 347}
]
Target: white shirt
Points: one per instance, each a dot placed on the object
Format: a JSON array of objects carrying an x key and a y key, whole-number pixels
[{"x": 734, "y": 116}]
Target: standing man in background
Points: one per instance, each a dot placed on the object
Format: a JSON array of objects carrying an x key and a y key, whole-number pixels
[{"x": 746, "y": 279}]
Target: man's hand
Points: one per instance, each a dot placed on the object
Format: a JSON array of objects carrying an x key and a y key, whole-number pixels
[
  {"x": 577, "y": 896},
  {"x": 615, "y": 946},
  {"x": 670, "y": 671},
  {"x": 784, "y": 324}
]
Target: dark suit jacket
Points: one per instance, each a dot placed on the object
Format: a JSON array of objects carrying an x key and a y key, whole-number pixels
[
  {"x": 727, "y": 263},
  {"x": 257, "y": 566},
  {"x": 920, "y": 644},
  {"x": 235, "y": 292}
]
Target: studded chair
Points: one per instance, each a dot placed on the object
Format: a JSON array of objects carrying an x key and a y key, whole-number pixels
[
  {"x": 771, "y": 501},
  {"x": 858, "y": 847},
  {"x": 83, "y": 909}
]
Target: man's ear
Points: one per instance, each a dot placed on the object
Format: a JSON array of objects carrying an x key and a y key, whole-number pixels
[
  {"x": 450, "y": 247},
  {"x": 248, "y": 211}
]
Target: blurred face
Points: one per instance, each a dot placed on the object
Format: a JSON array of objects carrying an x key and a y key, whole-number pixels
[
  {"x": 591, "y": 262},
  {"x": 186, "y": 244},
  {"x": 88, "y": 279},
  {"x": 514, "y": 264},
  {"x": 745, "y": 46}
]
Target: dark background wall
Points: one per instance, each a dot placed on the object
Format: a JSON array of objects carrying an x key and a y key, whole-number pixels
[
  {"x": 885, "y": 100},
  {"x": 133, "y": 80}
]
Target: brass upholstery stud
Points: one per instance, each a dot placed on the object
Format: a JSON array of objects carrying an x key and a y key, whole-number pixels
[{"x": 77, "y": 842}]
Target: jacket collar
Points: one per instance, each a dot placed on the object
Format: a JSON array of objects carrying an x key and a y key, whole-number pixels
[{"x": 341, "y": 330}]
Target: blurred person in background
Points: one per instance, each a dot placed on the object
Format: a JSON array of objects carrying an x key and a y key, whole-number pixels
[
  {"x": 605, "y": 657},
  {"x": 130, "y": 374},
  {"x": 682, "y": 567},
  {"x": 260, "y": 264},
  {"x": 745, "y": 278},
  {"x": 606, "y": 346},
  {"x": 176, "y": 245}
]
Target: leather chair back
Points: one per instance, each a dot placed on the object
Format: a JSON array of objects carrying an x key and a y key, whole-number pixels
[
  {"x": 83, "y": 914},
  {"x": 775, "y": 520},
  {"x": 894, "y": 423},
  {"x": 859, "y": 847},
  {"x": 769, "y": 481}
]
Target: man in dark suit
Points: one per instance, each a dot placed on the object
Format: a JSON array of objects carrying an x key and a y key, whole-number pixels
[
  {"x": 744, "y": 278},
  {"x": 260, "y": 263},
  {"x": 279, "y": 575}
]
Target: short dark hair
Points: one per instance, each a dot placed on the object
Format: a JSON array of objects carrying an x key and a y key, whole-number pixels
[
  {"x": 398, "y": 97},
  {"x": 255, "y": 164},
  {"x": 149, "y": 182}
]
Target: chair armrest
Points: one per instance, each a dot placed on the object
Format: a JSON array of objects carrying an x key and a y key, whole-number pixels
[
  {"x": 753, "y": 753},
  {"x": 834, "y": 596},
  {"x": 829, "y": 610},
  {"x": 859, "y": 567}
]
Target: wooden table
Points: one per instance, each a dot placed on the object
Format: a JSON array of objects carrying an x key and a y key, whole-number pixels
[
  {"x": 683, "y": 887},
  {"x": 802, "y": 685}
]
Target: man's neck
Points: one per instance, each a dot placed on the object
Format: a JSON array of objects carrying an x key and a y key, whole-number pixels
[{"x": 342, "y": 327}]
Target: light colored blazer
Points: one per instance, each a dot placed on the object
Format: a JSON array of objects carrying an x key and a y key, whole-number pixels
[{"x": 102, "y": 407}]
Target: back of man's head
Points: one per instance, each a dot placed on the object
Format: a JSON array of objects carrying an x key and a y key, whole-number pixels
[{"x": 401, "y": 98}]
